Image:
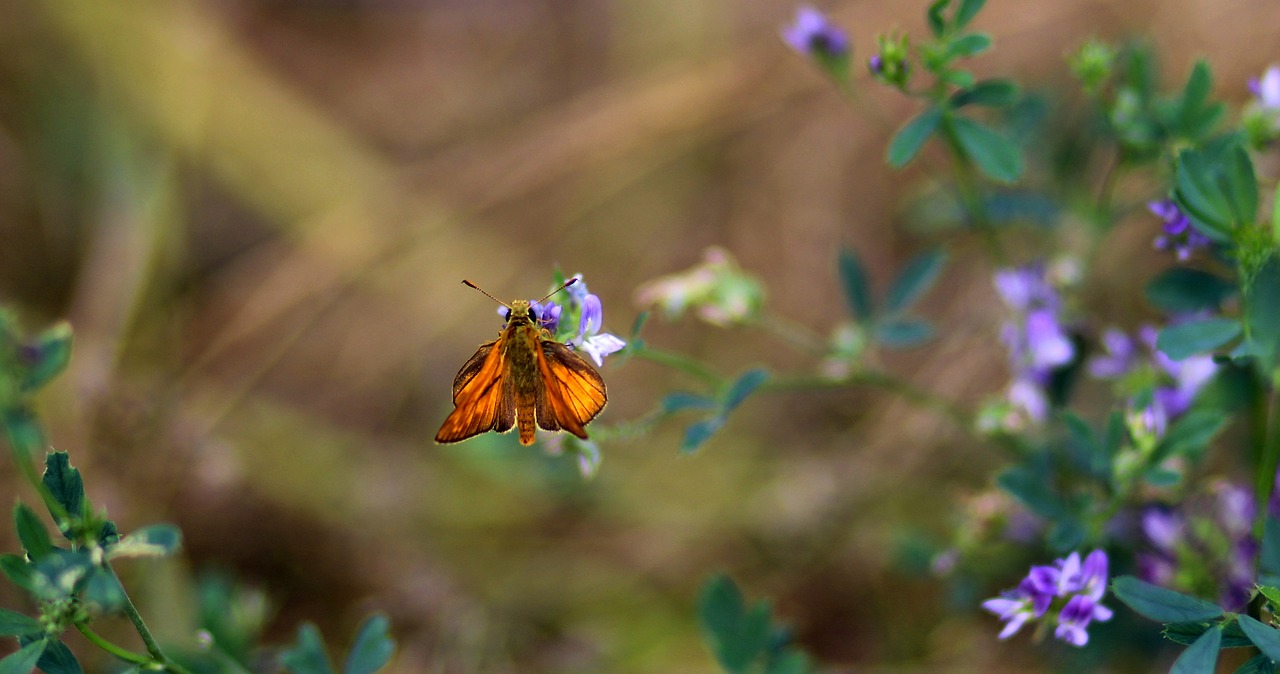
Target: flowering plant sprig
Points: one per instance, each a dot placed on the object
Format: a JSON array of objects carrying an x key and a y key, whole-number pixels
[{"x": 73, "y": 581}]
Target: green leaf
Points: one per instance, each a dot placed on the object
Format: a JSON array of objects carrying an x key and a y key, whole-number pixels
[
  {"x": 937, "y": 24},
  {"x": 1183, "y": 290},
  {"x": 697, "y": 434},
  {"x": 372, "y": 649},
  {"x": 35, "y": 538},
  {"x": 918, "y": 276},
  {"x": 790, "y": 662},
  {"x": 1262, "y": 307},
  {"x": 52, "y": 352},
  {"x": 1265, "y": 637},
  {"x": 1258, "y": 664},
  {"x": 156, "y": 540},
  {"x": 1241, "y": 186},
  {"x": 857, "y": 290},
  {"x": 906, "y": 143},
  {"x": 971, "y": 44},
  {"x": 66, "y": 486},
  {"x": 996, "y": 156},
  {"x": 58, "y": 659},
  {"x": 680, "y": 401},
  {"x": 1271, "y": 593},
  {"x": 103, "y": 593},
  {"x": 903, "y": 333},
  {"x": 1022, "y": 483},
  {"x": 24, "y": 431},
  {"x": 1161, "y": 604},
  {"x": 720, "y": 606},
  {"x": 989, "y": 93},
  {"x": 965, "y": 12},
  {"x": 744, "y": 386},
  {"x": 18, "y": 571},
  {"x": 1201, "y": 194},
  {"x": 1200, "y": 657},
  {"x": 13, "y": 624},
  {"x": 1187, "y": 633},
  {"x": 24, "y": 659},
  {"x": 1180, "y": 342},
  {"x": 1190, "y": 434},
  {"x": 62, "y": 573},
  {"x": 307, "y": 655}
]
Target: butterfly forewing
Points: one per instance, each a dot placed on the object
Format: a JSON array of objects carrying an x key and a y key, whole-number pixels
[
  {"x": 574, "y": 391},
  {"x": 482, "y": 400}
]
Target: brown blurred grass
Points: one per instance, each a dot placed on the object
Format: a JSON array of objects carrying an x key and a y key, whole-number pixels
[{"x": 255, "y": 215}]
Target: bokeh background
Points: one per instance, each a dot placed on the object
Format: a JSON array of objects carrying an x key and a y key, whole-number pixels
[{"x": 255, "y": 214}]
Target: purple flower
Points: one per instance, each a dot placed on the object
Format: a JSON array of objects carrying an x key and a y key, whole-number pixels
[
  {"x": 875, "y": 64},
  {"x": 590, "y": 340},
  {"x": 812, "y": 34},
  {"x": 1267, "y": 89},
  {"x": 1165, "y": 528},
  {"x": 1075, "y": 618},
  {"x": 1079, "y": 586},
  {"x": 547, "y": 315},
  {"x": 1120, "y": 357},
  {"x": 1179, "y": 235},
  {"x": 1025, "y": 288}
]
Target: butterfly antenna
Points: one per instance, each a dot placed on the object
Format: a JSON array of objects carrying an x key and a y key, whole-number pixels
[
  {"x": 566, "y": 284},
  {"x": 469, "y": 284}
]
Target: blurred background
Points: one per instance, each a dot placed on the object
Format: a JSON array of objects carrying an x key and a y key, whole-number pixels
[{"x": 255, "y": 214}]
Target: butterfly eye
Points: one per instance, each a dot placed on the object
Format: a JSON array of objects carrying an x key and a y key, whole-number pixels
[{"x": 505, "y": 313}]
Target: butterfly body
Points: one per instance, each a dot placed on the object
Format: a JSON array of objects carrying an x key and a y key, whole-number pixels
[{"x": 524, "y": 379}]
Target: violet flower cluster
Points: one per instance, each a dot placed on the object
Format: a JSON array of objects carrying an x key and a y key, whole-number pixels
[
  {"x": 1188, "y": 550},
  {"x": 1179, "y": 381},
  {"x": 1178, "y": 234},
  {"x": 1072, "y": 588},
  {"x": 1037, "y": 342}
]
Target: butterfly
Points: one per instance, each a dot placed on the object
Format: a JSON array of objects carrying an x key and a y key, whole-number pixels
[{"x": 523, "y": 379}]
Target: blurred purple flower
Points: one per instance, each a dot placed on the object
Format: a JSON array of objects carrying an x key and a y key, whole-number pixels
[
  {"x": 1163, "y": 527},
  {"x": 1080, "y": 586},
  {"x": 812, "y": 34},
  {"x": 875, "y": 64},
  {"x": 1179, "y": 235},
  {"x": 1120, "y": 358},
  {"x": 1036, "y": 340},
  {"x": 1267, "y": 89}
]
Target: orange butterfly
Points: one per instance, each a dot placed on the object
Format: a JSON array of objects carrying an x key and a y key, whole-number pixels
[{"x": 523, "y": 378}]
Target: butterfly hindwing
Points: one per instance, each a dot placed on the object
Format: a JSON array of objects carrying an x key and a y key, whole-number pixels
[{"x": 573, "y": 392}]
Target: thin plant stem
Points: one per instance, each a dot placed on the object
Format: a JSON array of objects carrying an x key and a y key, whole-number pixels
[
  {"x": 157, "y": 655},
  {"x": 114, "y": 649},
  {"x": 679, "y": 362},
  {"x": 1268, "y": 462}
]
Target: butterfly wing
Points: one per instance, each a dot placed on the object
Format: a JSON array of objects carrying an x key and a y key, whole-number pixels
[
  {"x": 482, "y": 401},
  {"x": 572, "y": 392}
]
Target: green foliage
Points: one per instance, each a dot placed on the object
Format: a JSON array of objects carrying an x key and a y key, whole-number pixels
[
  {"x": 1188, "y": 339},
  {"x": 1182, "y": 290},
  {"x": 906, "y": 143},
  {"x": 744, "y": 639},
  {"x": 1265, "y": 637},
  {"x": 156, "y": 540},
  {"x": 884, "y": 320},
  {"x": 1216, "y": 189},
  {"x": 1202, "y": 656},
  {"x": 699, "y": 432},
  {"x": 371, "y": 651},
  {"x": 57, "y": 658},
  {"x": 13, "y": 624},
  {"x": 24, "y": 659},
  {"x": 31, "y": 533},
  {"x": 996, "y": 156},
  {"x": 67, "y": 488},
  {"x": 1162, "y": 604}
]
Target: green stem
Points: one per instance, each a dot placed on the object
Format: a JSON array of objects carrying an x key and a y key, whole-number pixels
[
  {"x": 971, "y": 197},
  {"x": 680, "y": 362},
  {"x": 116, "y": 650},
  {"x": 792, "y": 333},
  {"x": 157, "y": 655},
  {"x": 1267, "y": 463}
]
